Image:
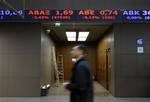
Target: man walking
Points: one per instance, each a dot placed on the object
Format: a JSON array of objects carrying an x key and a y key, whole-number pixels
[{"x": 81, "y": 84}]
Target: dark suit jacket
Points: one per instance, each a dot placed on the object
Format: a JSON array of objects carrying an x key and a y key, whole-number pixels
[{"x": 81, "y": 84}]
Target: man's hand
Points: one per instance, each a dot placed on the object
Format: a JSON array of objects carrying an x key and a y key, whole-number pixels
[{"x": 65, "y": 85}]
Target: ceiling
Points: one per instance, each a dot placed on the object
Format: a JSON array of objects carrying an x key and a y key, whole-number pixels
[
  {"x": 59, "y": 35},
  {"x": 74, "y": 4}
]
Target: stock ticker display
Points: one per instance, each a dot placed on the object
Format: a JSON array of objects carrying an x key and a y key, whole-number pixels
[
  {"x": 11, "y": 15},
  {"x": 112, "y": 16},
  {"x": 72, "y": 15}
]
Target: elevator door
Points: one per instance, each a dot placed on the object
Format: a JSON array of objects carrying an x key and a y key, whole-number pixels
[{"x": 108, "y": 69}]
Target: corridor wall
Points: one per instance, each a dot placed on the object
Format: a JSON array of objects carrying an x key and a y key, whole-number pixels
[
  {"x": 102, "y": 73},
  {"x": 132, "y": 70},
  {"x": 20, "y": 52},
  {"x": 47, "y": 60}
]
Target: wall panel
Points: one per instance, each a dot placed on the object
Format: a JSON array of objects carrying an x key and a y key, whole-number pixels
[
  {"x": 132, "y": 78},
  {"x": 20, "y": 52},
  {"x": 104, "y": 74}
]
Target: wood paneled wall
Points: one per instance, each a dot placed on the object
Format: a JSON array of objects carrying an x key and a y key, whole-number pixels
[
  {"x": 65, "y": 49},
  {"x": 103, "y": 44}
]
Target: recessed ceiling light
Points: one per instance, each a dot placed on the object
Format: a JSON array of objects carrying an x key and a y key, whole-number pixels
[
  {"x": 81, "y": 39},
  {"x": 57, "y": 24},
  {"x": 83, "y": 36},
  {"x": 71, "y": 35},
  {"x": 48, "y": 30},
  {"x": 71, "y": 39}
]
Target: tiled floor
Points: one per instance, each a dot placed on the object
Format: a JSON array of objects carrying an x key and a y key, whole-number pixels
[
  {"x": 61, "y": 95},
  {"x": 99, "y": 90}
]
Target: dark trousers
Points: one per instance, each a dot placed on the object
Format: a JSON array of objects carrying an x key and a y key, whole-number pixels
[{"x": 81, "y": 97}]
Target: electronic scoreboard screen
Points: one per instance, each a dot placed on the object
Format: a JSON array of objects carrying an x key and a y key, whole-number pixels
[
  {"x": 9, "y": 15},
  {"x": 37, "y": 15},
  {"x": 73, "y": 15},
  {"x": 50, "y": 15},
  {"x": 135, "y": 15},
  {"x": 68, "y": 15},
  {"x": 63, "y": 15},
  {"x": 98, "y": 15}
]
